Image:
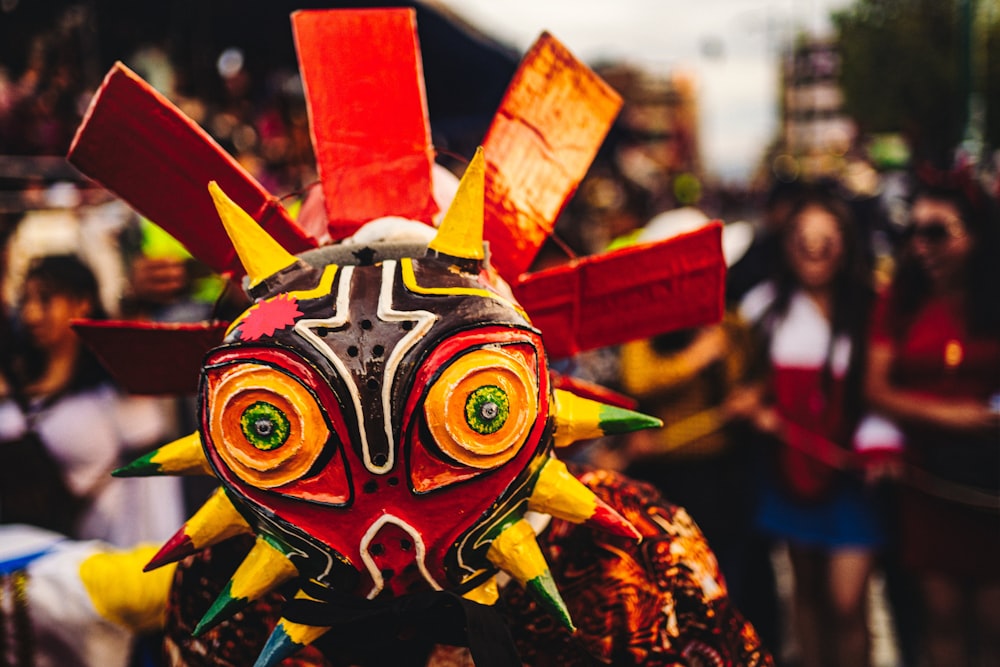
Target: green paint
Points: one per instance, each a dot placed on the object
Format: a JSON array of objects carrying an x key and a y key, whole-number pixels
[
  {"x": 543, "y": 589},
  {"x": 614, "y": 421},
  {"x": 224, "y": 606},
  {"x": 144, "y": 466},
  {"x": 265, "y": 426},
  {"x": 487, "y": 409}
]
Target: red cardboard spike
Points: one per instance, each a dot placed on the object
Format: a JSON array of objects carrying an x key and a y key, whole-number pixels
[
  {"x": 627, "y": 294},
  {"x": 364, "y": 86},
  {"x": 553, "y": 119},
  {"x": 150, "y": 357},
  {"x": 593, "y": 391},
  {"x": 137, "y": 144}
]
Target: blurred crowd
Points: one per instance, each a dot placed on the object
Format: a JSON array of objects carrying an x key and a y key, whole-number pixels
[{"x": 845, "y": 412}]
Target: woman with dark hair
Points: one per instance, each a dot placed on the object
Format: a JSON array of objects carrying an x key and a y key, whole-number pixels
[
  {"x": 934, "y": 368},
  {"x": 63, "y": 426},
  {"x": 811, "y": 317}
]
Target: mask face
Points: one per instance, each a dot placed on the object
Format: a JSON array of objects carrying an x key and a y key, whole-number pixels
[
  {"x": 383, "y": 425},
  {"x": 382, "y": 422}
]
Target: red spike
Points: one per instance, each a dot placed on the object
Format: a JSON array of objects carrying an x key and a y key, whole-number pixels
[
  {"x": 177, "y": 547},
  {"x": 627, "y": 294},
  {"x": 607, "y": 519},
  {"x": 551, "y": 123},
  {"x": 150, "y": 357},
  {"x": 368, "y": 114},
  {"x": 137, "y": 144}
]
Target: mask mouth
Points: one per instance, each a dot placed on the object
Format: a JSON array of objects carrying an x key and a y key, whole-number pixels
[{"x": 394, "y": 555}]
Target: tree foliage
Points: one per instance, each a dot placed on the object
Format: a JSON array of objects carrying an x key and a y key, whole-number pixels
[{"x": 906, "y": 68}]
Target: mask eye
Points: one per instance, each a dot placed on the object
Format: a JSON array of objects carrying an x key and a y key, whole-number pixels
[
  {"x": 266, "y": 426},
  {"x": 482, "y": 407}
]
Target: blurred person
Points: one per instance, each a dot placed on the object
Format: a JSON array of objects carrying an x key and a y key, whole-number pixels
[
  {"x": 811, "y": 317},
  {"x": 934, "y": 368},
  {"x": 755, "y": 266},
  {"x": 64, "y": 428},
  {"x": 683, "y": 378}
]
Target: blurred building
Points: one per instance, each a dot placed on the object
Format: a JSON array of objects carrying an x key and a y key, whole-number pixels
[
  {"x": 816, "y": 134},
  {"x": 649, "y": 163}
]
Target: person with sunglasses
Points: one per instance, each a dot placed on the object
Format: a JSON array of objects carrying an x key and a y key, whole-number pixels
[{"x": 934, "y": 368}]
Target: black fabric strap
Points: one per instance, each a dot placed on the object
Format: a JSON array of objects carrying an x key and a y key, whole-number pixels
[{"x": 434, "y": 617}]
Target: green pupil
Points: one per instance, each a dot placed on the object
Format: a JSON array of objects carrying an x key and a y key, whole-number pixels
[
  {"x": 264, "y": 426},
  {"x": 487, "y": 409}
]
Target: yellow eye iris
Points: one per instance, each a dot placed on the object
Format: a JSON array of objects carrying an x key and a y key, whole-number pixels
[
  {"x": 481, "y": 409},
  {"x": 265, "y": 425}
]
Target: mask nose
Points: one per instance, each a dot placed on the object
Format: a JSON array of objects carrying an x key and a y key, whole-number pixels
[{"x": 395, "y": 557}]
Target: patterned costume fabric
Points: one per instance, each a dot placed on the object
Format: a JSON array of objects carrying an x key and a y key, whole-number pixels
[{"x": 659, "y": 602}]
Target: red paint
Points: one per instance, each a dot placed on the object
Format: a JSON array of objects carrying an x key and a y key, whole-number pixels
[
  {"x": 627, "y": 294},
  {"x": 137, "y": 144},
  {"x": 368, "y": 114},
  {"x": 266, "y": 317}
]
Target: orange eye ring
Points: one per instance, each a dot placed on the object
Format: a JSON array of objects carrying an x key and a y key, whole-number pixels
[
  {"x": 265, "y": 426},
  {"x": 482, "y": 407}
]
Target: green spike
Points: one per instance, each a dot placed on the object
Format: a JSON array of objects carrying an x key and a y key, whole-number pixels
[
  {"x": 265, "y": 568},
  {"x": 184, "y": 456},
  {"x": 543, "y": 588},
  {"x": 614, "y": 420}
]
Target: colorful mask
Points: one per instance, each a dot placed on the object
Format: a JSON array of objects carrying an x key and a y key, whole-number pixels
[{"x": 383, "y": 416}]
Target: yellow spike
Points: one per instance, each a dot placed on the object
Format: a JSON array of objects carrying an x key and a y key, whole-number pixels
[
  {"x": 261, "y": 255},
  {"x": 184, "y": 456},
  {"x": 215, "y": 521},
  {"x": 516, "y": 552},
  {"x": 486, "y": 593},
  {"x": 461, "y": 232},
  {"x": 560, "y": 494},
  {"x": 264, "y": 569},
  {"x": 579, "y": 418}
]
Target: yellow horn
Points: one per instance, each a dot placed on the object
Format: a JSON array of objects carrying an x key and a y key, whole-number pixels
[
  {"x": 261, "y": 255},
  {"x": 579, "y": 418},
  {"x": 461, "y": 232}
]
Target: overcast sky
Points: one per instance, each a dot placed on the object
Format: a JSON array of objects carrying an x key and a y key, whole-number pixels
[{"x": 731, "y": 46}]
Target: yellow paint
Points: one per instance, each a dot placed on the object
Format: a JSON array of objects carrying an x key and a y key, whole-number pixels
[
  {"x": 122, "y": 593},
  {"x": 261, "y": 255},
  {"x": 461, "y": 231},
  {"x": 322, "y": 289},
  {"x": 264, "y": 569},
  {"x": 184, "y": 456},
  {"x": 445, "y": 407},
  {"x": 486, "y": 593},
  {"x": 577, "y": 418},
  {"x": 242, "y": 385},
  {"x": 410, "y": 281},
  {"x": 303, "y": 635},
  {"x": 215, "y": 521},
  {"x": 559, "y": 493},
  {"x": 516, "y": 552}
]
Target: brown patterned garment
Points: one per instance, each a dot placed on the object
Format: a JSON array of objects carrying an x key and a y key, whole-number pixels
[{"x": 660, "y": 602}]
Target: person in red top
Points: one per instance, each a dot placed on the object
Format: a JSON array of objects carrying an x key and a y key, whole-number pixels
[{"x": 934, "y": 368}]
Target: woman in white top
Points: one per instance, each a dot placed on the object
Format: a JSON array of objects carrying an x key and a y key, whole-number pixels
[{"x": 64, "y": 427}]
